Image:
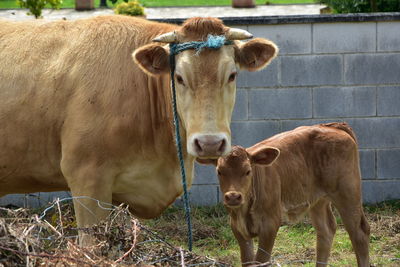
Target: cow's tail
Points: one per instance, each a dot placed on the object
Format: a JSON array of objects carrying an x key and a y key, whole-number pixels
[{"x": 342, "y": 126}]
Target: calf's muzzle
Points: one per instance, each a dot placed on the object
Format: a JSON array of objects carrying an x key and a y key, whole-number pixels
[{"x": 233, "y": 198}]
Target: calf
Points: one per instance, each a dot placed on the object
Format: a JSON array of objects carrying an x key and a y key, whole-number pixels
[{"x": 287, "y": 175}]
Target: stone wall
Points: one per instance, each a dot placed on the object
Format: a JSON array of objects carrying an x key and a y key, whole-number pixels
[
  {"x": 330, "y": 68},
  {"x": 335, "y": 71}
]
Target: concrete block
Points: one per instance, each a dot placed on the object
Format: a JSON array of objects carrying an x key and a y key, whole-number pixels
[
  {"x": 250, "y": 132},
  {"x": 375, "y": 191},
  {"x": 264, "y": 78},
  {"x": 377, "y": 132},
  {"x": 344, "y": 37},
  {"x": 204, "y": 195},
  {"x": 220, "y": 195},
  {"x": 204, "y": 174},
  {"x": 372, "y": 69},
  {"x": 240, "y": 111},
  {"x": 367, "y": 164},
  {"x": 388, "y": 162},
  {"x": 389, "y": 36},
  {"x": 388, "y": 100},
  {"x": 311, "y": 70},
  {"x": 344, "y": 102},
  {"x": 280, "y": 103},
  {"x": 34, "y": 200},
  {"x": 291, "y": 39}
]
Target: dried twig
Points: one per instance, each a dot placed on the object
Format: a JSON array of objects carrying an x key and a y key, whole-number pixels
[{"x": 30, "y": 240}]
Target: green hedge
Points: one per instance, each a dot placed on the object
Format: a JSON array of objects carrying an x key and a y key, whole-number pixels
[{"x": 362, "y": 6}]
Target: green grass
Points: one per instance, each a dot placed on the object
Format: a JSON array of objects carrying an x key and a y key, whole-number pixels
[
  {"x": 295, "y": 244},
  {"x": 154, "y": 3}
]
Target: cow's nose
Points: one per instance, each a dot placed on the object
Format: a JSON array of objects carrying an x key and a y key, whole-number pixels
[
  {"x": 233, "y": 198},
  {"x": 211, "y": 145}
]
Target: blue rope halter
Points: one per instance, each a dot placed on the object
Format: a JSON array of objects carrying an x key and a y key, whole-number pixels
[{"x": 212, "y": 42}]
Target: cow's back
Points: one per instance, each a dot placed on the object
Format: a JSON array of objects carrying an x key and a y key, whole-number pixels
[{"x": 69, "y": 79}]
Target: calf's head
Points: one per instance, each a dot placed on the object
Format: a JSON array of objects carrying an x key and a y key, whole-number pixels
[
  {"x": 206, "y": 80},
  {"x": 235, "y": 171}
]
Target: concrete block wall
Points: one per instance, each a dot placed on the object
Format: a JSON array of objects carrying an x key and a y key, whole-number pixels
[{"x": 337, "y": 71}]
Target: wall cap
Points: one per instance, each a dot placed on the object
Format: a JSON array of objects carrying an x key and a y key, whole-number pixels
[{"x": 292, "y": 19}]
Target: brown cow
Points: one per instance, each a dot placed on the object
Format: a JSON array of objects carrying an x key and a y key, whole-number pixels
[
  {"x": 77, "y": 113},
  {"x": 287, "y": 175}
]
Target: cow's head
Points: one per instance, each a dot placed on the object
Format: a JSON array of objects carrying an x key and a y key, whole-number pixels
[
  {"x": 206, "y": 80},
  {"x": 235, "y": 172}
]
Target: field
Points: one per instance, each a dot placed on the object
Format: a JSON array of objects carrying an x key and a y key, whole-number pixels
[
  {"x": 295, "y": 244},
  {"x": 124, "y": 240},
  {"x": 156, "y": 3}
]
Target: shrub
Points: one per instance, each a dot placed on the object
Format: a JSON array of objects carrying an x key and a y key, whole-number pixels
[
  {"x": 131, "y": 8},
  {"x": 35, "y": 6},
  {"x": 361, "y": 6}
]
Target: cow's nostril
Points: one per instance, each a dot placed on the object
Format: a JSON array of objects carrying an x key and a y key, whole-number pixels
[
  {"x": 239, "y": 197},
  {"x": 227, "y": 198},
  {"x": 197, "y": 145},
  {"x": 222, "y": 146}
]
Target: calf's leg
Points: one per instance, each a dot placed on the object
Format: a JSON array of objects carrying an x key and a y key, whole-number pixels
[
  {"x": 246, "y": 249},
  {"x": 324, "y": 223},
  {"x": 348, "y": 203},
  {"x": 266, "y": 240}
]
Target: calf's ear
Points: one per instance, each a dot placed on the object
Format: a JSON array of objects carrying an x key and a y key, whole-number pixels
[
  {"x": 152, "y": 59},
  {"x": 256, "y": 54},
  {"x": 264, "y": 155},
  {"x": 207, "y": 161}
]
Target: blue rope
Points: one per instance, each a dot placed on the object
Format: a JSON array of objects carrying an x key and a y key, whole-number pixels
[{"x": 213, "y": 42}]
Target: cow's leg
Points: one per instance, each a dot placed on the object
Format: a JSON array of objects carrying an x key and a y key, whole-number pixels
[
  {"x": 266, "y": 240},
  {"x": 324, "y": 223},
  {"x": 348, "y": 203},
  {"x": 91, "y": 189},
  {"x": 246, "y": 249}
]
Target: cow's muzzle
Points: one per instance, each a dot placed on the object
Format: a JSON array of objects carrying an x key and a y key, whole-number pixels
[
  {"x": 209, "y": 145},
  {"x": 233, "y": 199}
]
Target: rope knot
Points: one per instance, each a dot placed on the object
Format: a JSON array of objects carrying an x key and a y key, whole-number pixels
[{"x": 213, "y": 42}]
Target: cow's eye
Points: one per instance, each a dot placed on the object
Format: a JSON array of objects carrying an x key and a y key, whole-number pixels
[
  {"x": 232, "y": 77},
  {"x": 179, "y": 79},
  {"x": 248, "y": 173}
]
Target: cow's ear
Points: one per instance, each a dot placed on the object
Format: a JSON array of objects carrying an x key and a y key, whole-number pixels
[
  {"x": 207, "y": 161},
  {"x": 264, "y": 155},
  {"x": 152, "y": 59},
  {"x": 256, "y": 54}
]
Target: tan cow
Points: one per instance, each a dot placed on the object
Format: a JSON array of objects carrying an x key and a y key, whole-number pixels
[
  {"x": 287, "y": 175},
  {"x": 77, "y": 113}
]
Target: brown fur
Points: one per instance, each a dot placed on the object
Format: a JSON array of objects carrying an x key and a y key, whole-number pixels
[
  {"x": 318, "y": 165},
  {"x": 199, "y": 28}
]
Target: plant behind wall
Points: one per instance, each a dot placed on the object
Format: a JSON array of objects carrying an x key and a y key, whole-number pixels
[
  {"x": 35, "y": 6},
  {"x": 362, "y": 6},
  {"x": 131, "y": 8}
]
